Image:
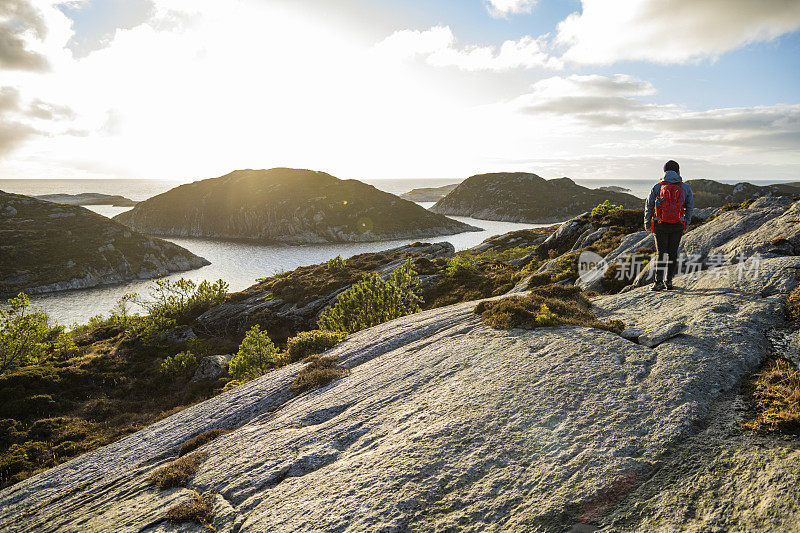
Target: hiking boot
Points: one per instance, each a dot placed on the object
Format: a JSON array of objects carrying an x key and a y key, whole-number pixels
[
  {"x": 657, "y": 286},
  {"x": 668, "y": 284}
]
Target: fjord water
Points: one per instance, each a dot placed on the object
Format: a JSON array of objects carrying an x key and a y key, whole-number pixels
[{"x": 239, "y": 264}]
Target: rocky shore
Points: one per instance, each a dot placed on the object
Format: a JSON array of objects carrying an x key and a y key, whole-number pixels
[{"x": 48, "y": 247}]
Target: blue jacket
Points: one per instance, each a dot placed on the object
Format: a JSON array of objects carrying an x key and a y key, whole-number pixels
[{"x": 688, "y": 198}]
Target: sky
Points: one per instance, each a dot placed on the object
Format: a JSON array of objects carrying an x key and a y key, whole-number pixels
[{"x": 375, "y": 89}]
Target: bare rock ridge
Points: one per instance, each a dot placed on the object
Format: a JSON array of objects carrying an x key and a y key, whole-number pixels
[
  {"x": 524, "y": 197},
  {"x": 87, "y": 198},
  {"x": 286, "y": 205},
  {"x": 46, "y": 247},
  {"x": 445, "y": 424}
]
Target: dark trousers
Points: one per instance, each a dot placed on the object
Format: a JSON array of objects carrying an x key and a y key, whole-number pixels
[{"x": 668, "y": 238}]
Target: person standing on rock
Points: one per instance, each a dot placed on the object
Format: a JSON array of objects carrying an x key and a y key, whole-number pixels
[{"x": 667, "y": 214}]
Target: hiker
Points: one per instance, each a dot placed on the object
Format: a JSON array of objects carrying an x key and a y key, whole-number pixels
[{"x": 667, "y": 214}]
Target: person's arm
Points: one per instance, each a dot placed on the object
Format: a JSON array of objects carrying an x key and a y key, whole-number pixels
[
  {"x": 649, "y": 206},
  {"x": 688, "y": 203}
]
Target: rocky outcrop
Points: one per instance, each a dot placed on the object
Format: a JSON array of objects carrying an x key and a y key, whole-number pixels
[
  {"x": 709, "y": 193},
  {"x": 428, "y": 194},
  {"x": 286, "y": 205},
  {"x": 48, "y": 247},
  {"x": 295, "y": 312},
  {"x": 524, "y": 197},
  {"x": 87, "y": 198},
  {"x": 443, "y": 423}
]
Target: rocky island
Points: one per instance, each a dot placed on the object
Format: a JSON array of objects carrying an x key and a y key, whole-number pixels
[
  {"x": 286, "y": 205},
  {"x": 710, "y": 193},
  {"x": 47, "y": 247},
  {"x": 428, "y": 194},
  {"x": 87, "y": 198},
  {"x": 525, "y": 197}
]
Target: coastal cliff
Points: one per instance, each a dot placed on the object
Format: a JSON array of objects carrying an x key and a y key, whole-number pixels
[
  {"x": 286, "y": 205},
  {"x": 49, "y": 247},
  {"x": 525, "y": 197}
]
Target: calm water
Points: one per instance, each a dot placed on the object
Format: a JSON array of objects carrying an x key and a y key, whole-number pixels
[{"x": 240, "y": 264}]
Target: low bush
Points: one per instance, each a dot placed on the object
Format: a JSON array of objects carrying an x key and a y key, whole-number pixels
[
  {"x": 461, "y": 266},
  {"x": 544, "y": 306},
  {"x": 317, "y": 373},
  {"x": 372, "y": 301},
  {"x": 197, "y": 509},
  {"x": 178, "y": 472},
  {"x": 336, "y": 264},
  {"x": 604, "y": 209},
  {"x": 257, "y": 355},
  {"x": 201, "y": 440},
  {"x": 180, "y": 364},
  {"x": 312, "y": 342}
]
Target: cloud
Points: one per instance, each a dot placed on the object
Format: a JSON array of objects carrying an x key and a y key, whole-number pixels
[
  {"x": 47, "y": 111},
  {"x": 438, "y": 47},
  {"x": 21, "y": 23},
  {"x": 12, "y": 132},
  {"x": 671, "y": 31},
  {"x": 594, "y": 100},
  {"x": 613, "y": 102},
  {"x": 504, "y": 8}
]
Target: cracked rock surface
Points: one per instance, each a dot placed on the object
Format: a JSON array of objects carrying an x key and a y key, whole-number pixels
[{"x": 444, "y": 424}]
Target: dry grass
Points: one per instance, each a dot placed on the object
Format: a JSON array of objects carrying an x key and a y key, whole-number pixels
[
  {"x": 198, "y": 509},
  {"x": 793, "y": 304},
  {"x": 178, "y": 472},
  {"x": 543, "y": 306},
  {"x": 318, "y": 372},
  {"x": 201, "y": 440},
  {"x": 776, "y": 395}
]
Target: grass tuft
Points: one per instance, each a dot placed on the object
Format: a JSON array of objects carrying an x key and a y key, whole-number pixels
[
  {"x": 201, "y": 440},
  {"x": 178, "y": 472},
  {"x": 549, "y": 305},
  {"x": 776, "y": 395},
  {"x": 198, "y": 509},
  {"x": 318, "y": 372}
]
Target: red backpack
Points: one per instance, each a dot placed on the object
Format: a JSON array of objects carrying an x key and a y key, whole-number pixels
[{"x": 670, "y": 207}]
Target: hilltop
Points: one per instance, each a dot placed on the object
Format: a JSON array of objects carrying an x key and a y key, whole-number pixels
[
  {"x": 525, "y": 197},
  {"x": 49, "y": 247},
  {"x": 286, "y": 205},
  {"x": 710, "y": 193}
]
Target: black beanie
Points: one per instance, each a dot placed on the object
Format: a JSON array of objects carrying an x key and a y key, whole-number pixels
[{"x": 672, "y": 165}]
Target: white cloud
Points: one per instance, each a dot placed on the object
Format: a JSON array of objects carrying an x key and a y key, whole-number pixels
[
  {"x": 671, "y": 31},
  {"x": 503, "y": 8},
  {"x": 613, "y": 103},
  {"x": 439, "y": 48}
]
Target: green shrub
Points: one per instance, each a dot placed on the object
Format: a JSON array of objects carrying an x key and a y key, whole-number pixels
[
  {"x": 183, "y": 300},
  {"x": 257, "y": 355},
  {"x": 461, "y": 265},
  {"x": 545, "y": 317},
  {"x": 373, "y": 300},
  {"x": 181, "y": 364},
  {"x": 336, "y": 264},
  {"x": 604, "y": 209},
  {"x": 26, "y": 338},
  {"x": 311, "y": 342}
]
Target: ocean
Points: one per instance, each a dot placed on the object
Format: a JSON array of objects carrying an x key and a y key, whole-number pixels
[{"x": 240, "y": 264}]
